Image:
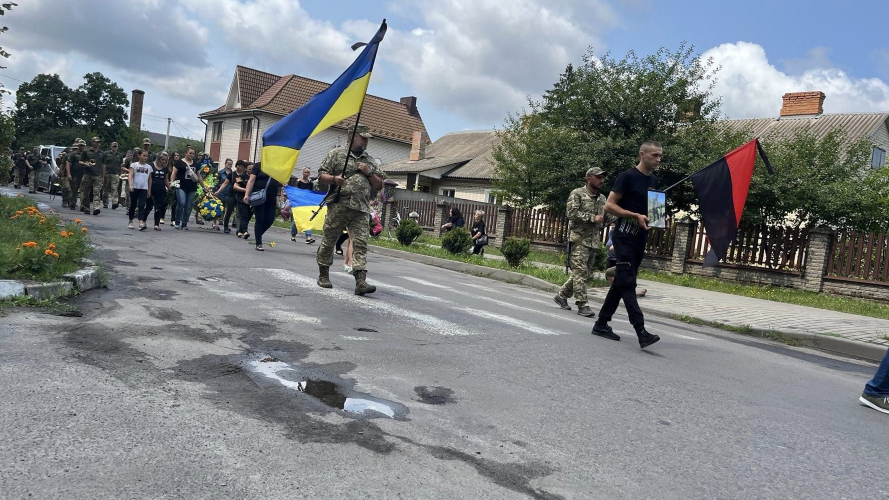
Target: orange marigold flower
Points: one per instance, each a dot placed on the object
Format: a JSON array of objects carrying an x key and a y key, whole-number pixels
[
  {"x": 42, "y": 220},
  {"x": 29, "y": 244},
  {"x": 48, "y": 251},
  {"x": 52, "y": 246},
  {"x": 77, "y": 221},
  {"x": 64, "y": 234},
  {"x": 18, "y": 212},
  {"x": 83, "y": 229},
  {"x": 55, "y": 255}
]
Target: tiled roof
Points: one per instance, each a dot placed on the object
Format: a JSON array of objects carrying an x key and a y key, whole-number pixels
[
  {"x": 253, "y": 83},
  {"x": 856, "y": 125},
  {"x": 385, "y": 118},
  {"x": 464, "y": 150}
]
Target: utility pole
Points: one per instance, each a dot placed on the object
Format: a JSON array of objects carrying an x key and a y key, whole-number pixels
[{"x": 167, "y": 138}]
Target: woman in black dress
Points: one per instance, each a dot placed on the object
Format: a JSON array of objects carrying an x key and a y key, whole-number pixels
[
  {"x": 265, "y": 213},
  {"x": 478, "y": 230}
]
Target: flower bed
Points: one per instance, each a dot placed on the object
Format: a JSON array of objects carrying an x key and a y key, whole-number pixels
[{"x": 36, "y": 245}]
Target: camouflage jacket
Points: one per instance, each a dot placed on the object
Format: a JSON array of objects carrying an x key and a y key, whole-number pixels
[
  {"x": 583, "y": 207},
  {"x": 357, "y": 191}
]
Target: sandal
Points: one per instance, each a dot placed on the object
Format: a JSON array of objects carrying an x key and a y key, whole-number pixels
[
  {"x": 157, "y": 228},
  {"x": 339, "y": 252},
  {"x": 293, "y": 238},
  {"x": 142, "y": 227},
  {"x": 130, "y": 225},
  {"x": 246, "y": 236}
]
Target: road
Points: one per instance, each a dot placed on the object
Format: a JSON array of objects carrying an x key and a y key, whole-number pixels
[{"x": 210, "y": 370}]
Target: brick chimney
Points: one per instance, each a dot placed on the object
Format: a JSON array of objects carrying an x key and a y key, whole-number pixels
[
  {"x": 410, "y": 103},
  {"x": 136, "y": 109},
  {"x": 803, "y": 103},
  {"x": 418, "y": 146}
]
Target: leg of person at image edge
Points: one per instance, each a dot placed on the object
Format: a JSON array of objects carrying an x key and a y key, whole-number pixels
[
  {"x": 339, "y": 218},
  {"x": 292, "y": 228},
  {"x": 876, "y": 392},
  {"x": 265, "y": 216},
  {"x": 629, "y": 252},
  {"x": 32, "y": 181},
  {"x": 583, "y": 258}
]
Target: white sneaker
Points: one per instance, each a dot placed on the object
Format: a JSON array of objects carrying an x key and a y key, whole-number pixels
[
  {"x": 130, "y": 225},
  {"x": 347, "y": 269}
]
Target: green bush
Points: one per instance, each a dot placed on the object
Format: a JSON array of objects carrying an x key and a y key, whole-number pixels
[
  {"x": 408, "y": 231},
  {"x": 457, "y": 241},
  {"x": 515, "y": 250},
  {"x": 36, "y": 245}
]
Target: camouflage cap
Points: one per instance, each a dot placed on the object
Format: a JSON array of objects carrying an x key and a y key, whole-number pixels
[
  {"x": 146, "y": 141},
  {"x": 113, "y": 144},
  {"x": 96, "y": 139},
  {"x": 363, "y": 131},
  {"x": 81, "y": 142},
  {"x": 594, "y": 171}
]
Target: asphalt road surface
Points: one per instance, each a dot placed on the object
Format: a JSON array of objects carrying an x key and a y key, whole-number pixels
[{"x": 210, "y": 370}]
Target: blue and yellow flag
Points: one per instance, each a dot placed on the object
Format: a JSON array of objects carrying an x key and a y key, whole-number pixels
[
  {"x": 302, "y": 203},
  {"x": 282, "y": 142}
]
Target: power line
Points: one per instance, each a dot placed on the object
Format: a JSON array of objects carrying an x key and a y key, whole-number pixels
[
  {"x": 11, "y": 78},
  {"x": 193, "y": 133}
]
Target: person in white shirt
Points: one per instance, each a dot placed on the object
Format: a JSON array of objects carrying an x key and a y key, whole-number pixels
[{"x": 140, "y": 175}]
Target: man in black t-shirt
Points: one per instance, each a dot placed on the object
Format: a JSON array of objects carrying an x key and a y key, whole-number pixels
[{"x": 628, "y": 201}]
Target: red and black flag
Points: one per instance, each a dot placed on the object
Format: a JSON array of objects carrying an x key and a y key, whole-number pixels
[{"x": 722, "y": 192}]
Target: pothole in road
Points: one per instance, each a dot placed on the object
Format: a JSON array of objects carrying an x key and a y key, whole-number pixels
[
  {"x": 271, "y": 369},
  {"x": 435, "y": 395},
  {"x": 362, "y": 329}
]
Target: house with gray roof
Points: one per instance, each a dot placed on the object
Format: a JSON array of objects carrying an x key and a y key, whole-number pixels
[{"x": 458, "y": 164}]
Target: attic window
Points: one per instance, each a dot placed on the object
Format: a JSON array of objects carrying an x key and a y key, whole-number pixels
[{"x": 878, "y": 159}]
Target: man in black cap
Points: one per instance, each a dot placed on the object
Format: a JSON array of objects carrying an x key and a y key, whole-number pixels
[
  {"x": 91, "y": 188},
  {"x": 111, "y": 185},
  {"x": 74, "y": 169}
]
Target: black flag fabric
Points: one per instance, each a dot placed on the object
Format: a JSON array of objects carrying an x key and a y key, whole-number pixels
[{"x": 722, "y": 192}]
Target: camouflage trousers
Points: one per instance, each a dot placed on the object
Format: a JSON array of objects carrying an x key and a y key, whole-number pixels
[
  {"x": 111, "y": 189},
  {"x": 32, "y": 181},
  {"x": 583, "y": 261},
  {"x": 91, "y": 192},
  {"x": 74, "y": 185},
  {"x": 18, "y": 177},
  {"x": 339, "y": 218},
  {"x": 65, "y": 188}
]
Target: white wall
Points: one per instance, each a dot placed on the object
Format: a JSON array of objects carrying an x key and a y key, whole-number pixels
[{"x": 314, "y": 151}]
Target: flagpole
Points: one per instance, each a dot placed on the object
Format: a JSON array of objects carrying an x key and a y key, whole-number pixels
[{"x": 336, "y": 191}]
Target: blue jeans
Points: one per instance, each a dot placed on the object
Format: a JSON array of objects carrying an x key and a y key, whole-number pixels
[
  {"x": 879, "y": 385},
  {"x": 293, "y": 230},
  {"x": 184, "y": 202}
]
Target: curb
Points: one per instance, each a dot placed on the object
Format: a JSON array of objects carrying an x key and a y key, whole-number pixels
[
  {"x": 72, "y": 283},
  {"x": 835, "y": 345}
]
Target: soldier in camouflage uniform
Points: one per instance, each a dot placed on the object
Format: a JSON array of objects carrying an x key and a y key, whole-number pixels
[
  {"x": 63, "y": 177},
  {"x": 20, "y": 168},
  {"x": 91, "y": 187},
  {"x": 350, "y": 208},
  {"x": 586, "y": 214},
  {"x": 111, "y": 187},
  {"x": 34, "y": 162},
  {"x": 75, "y": 167}
]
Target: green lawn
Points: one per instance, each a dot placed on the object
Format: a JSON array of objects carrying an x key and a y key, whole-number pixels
[
  {"x": 861, "y": 307},
  {"x": 548, "y": 274}
]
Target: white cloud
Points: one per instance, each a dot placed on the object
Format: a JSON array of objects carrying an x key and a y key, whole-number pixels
[
  {"x": 479, "y": 59},
  {"x": 751, "y": 86}
]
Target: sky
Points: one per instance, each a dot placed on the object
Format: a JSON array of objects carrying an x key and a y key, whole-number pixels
[{"x": 468, "y": 62}]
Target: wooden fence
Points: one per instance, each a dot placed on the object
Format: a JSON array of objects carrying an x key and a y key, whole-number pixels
[
  {"x": 426, "y": 209},
  {"x": 761, "y": 247},
  {"x": 860, "y": 256},
  {"x": 539, "y": 225},
  {"x": 660, "y": 241}
]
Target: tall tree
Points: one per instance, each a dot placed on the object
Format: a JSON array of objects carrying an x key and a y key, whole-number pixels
[
  {"x": 42, "y": 104},
  {"x": 100, "y": 105},
  {"x": 607, "y": 107}
]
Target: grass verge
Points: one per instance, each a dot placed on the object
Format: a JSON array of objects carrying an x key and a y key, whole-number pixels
[
  {"x": 550, "y": 275},
  {"x": 38, "y": 246},
  {"x": 742, "y": 329},
  {"x": 861, "y": 307}
]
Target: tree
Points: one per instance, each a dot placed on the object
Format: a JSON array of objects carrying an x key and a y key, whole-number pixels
[
  {"x": 42, "y": 104},
  {"x": 819, "y": 181},
  {"x": 600, "y": 112},
  {"x": 100, "y": 105}
]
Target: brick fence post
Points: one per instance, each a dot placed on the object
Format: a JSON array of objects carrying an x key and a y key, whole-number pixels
[
  {"x": 817, "y": 258},
  {"x": 441, "y": 214},
  {"x": 680, "y": 247},
  {"x": 503, "y": 230},
  {"x": 388, "y": 213}
]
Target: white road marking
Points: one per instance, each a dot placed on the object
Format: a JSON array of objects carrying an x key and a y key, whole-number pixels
[{"x": 425, "y": 283}]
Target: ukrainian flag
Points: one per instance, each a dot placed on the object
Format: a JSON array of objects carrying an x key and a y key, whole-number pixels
[
  {"x": 302, "y": 203},
  {"x": 282, "y": 142}
]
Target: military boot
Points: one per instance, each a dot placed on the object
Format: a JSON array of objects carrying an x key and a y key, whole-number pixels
[
  {"x": 361, "y": 285},
  {"x": 324, "y": 277}
]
